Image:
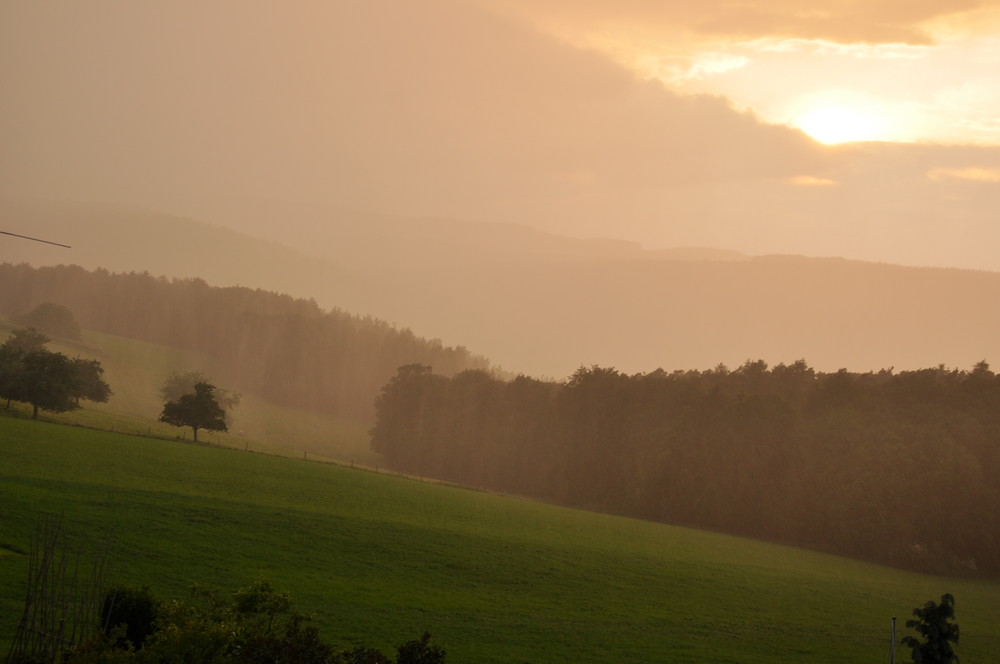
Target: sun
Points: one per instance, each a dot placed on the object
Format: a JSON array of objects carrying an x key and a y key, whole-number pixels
[{"x": 839, "y": 124}]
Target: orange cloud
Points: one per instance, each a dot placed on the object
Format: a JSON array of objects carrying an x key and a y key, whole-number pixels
[
  {"x": 811, "y": 181},
  {"x": 843, "y": 21},
  {"x": 972, "y": 174}
]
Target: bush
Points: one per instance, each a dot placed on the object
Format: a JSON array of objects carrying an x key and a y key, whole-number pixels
[
  {"x": 135, "y": 608},
  {"x": 254, "y": 625},
  {"x": 420, "y": 652}
]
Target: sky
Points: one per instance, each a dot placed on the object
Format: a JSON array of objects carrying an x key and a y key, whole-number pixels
[
  {"x": 869, "y": 130},
  {"x": 839, "y": 70}
]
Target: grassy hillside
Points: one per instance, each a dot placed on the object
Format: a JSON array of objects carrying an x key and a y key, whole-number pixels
[
  {"x": 135, "y": 370},
  {"x": 379, "y": 559}
]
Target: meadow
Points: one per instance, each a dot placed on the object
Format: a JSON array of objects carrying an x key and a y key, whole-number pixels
[
  {"x": 378, "y": 559},
  {"x": 136, "y": 370}
]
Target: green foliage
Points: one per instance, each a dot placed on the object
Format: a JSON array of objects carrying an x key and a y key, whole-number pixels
[
  {"x": 256, "y": 625},
  {"x": 363, "y": 655},
  {"x": 934, "y": 624},
  {"x": 420, "y": 652},
  {"x": 87, "y": 381},
  {"x": 47, "y": 380},
  {"x": 53, "y": 319},
  {"x": 134, "y": 610},
  {"x": 107, "y": 647},
  {"x": 178, "y": 384},
  {"x": 26, "y": 339},
  {"x": 829, "y": 461},
  {"x": 198, "y": 410}
]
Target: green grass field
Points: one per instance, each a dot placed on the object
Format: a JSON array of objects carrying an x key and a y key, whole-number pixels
[
  {"x": 380, "y": 559},
  {"x": 135, "y": 370}
]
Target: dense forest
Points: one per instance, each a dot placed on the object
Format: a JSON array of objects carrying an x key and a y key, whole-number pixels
[
  {"x": 894, "y": 467},
  {"x": 283, "y": 349}
]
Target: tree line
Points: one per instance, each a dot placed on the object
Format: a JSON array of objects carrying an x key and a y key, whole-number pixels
[
  {"x": 894, "y": 467},
  {"x": 283, "y": 349}
]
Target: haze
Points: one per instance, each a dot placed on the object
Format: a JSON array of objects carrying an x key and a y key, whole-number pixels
[
  {"x": 731, "y": 265},
  {"x": 666, "y": 124}
]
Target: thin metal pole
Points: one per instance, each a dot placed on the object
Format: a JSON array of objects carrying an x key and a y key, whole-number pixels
[
  {"x": 892, "y": 644},
  {"x": 26, "y": 237}
]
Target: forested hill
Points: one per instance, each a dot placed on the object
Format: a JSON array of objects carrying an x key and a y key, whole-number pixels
[
  {"x": 895, "y": 467},
  {"x": 286, "y": 350},
  {"x": 543, "y": 304}
]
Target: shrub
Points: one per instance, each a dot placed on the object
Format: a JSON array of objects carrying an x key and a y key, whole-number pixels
[{"x": 135, "y": 608}]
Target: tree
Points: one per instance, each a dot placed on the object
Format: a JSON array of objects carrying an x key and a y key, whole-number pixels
[
  {"x": 12, "y": 370},
  {"x": 178, "y": 384},
  {"x": 408, "y": 403},
  {"x": 46, "y": 382},
  {"x": 26, "y": 339},
  {"x": 87, "y": 382},
  {"x": 52, "y": 318},
  {"x": 198, "y": 410},
  {"x": 932, "y": 622},
  {"x": 46, "y": 379}
]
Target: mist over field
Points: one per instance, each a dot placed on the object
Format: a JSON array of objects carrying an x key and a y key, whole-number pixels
[
  {"x": 730, "y": 267},
  {"x": 471, "y": 172},
  {"x": 545, "y": 304}
]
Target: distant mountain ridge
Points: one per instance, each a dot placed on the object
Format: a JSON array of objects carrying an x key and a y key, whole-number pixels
[{"x": 543, "y": 304}]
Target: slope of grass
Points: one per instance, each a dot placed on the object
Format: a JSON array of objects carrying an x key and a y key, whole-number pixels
[
  {"x": 379, "y": 559},
  {"x": 135, "y": 370}
]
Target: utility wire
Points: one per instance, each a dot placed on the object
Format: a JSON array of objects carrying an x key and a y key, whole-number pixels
[{"x": 25, "y": 237}]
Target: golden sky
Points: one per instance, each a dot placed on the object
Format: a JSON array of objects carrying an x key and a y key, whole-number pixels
[
  {"x": 841, "y": 70},
  {"x": 667, "y": 123}
]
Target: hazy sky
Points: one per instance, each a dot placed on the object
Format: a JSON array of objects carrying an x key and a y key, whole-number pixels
[
  {"x": 668, "y": 123},
  {"x": 841, "y": 70}
]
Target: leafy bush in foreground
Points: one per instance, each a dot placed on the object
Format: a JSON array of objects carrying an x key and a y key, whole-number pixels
[{"x": 254, "y": 625}]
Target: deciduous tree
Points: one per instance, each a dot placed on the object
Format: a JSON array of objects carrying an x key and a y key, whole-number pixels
[
  {"x": 178, "y": 384},
  {"x": 88, "y": 382},
  {"x": 47, "y": 380},
  {"x": 934, "y": 623},
  {"x": 52, "y": 318},
  {"x": 198, "y": 410}
]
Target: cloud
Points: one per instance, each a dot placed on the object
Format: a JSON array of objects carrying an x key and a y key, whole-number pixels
[
  {"x": 442, "y": 108},
  {"x": 811, "y": 181},
  {"x": 972, "y": 174},
  {"x": 841, "y": 21},
  {"x": 432, "y": 109}
]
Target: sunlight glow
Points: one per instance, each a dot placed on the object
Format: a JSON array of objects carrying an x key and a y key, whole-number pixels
[
  {"x": 839, "y": 124},
  {"x": 811, "y": 181}
]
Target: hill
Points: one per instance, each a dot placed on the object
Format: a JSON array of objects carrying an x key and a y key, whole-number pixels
[
  {"x": 544, "y": 304},
  {"x": 136, "y": 370},
  {"x": 285, "y": 350},
  {"x": 895, "y": 468},
  {"x": 495, "y": 579}
]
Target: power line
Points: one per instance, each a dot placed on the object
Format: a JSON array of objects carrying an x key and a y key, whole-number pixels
[{"x": 25, "y": 237}]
